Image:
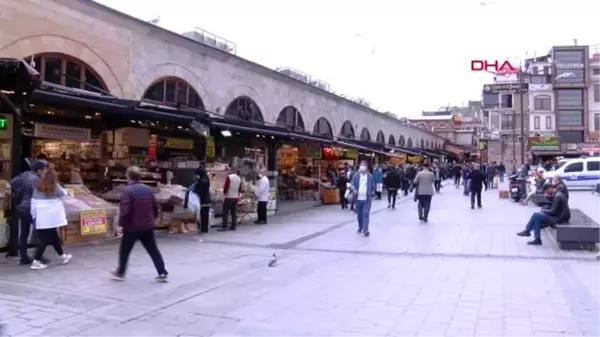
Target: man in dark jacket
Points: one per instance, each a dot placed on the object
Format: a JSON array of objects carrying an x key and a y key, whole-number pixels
[
  {"x": 560, "y": 185},
  {"x": 22, "y": 187},
  {"x": 559, "y": 212},
  {"x": 392, "y": 183},
  {"x": 342, "y": 185},
  {"x": 138, "y": 211},
  {"x": 477, "y": 182}
]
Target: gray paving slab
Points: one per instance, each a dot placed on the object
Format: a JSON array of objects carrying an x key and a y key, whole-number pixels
[{"x": 462, "y": 274}]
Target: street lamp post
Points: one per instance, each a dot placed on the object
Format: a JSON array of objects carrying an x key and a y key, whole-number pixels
[{"x": 521, "y": 85}]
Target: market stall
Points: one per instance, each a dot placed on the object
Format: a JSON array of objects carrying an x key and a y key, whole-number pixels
[{"x": 334, "y": 159}]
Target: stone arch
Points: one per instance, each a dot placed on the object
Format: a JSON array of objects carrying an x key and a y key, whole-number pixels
[
  {"x": 49, "y": 43},
  {"x": 422, "y": 144},
  {"x": 427, "y": 144},
  {"x": 380, "y": 137},
  {"x": 323, "y": 128},
  {"x": 173, "y": 70},
  {"x": 365, "y": 134},
  {"x": 392, "y": 140},
  {"x": 183, "y": 93},
  {"x": 409, "y": 143},
  {"x": 347, "y": 130},
  {"x": 238, "y": 91},
  {"x": 244, "y": 108},
  {"x": 401, "y": 141},
  {"x": 290, "y": 118}
]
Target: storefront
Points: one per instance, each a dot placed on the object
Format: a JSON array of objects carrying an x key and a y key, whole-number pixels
[{"x": 455, "y": 153}]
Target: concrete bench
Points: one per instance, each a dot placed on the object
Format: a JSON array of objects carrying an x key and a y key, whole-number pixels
[{"x": 581, "y": 233}]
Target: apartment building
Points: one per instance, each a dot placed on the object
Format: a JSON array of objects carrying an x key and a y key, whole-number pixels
[
  {"x": 541, "y": 97},
  {"x": 594, "y": 98}
]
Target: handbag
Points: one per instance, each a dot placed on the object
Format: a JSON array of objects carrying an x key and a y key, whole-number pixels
[{"x": 348, "y": 195}]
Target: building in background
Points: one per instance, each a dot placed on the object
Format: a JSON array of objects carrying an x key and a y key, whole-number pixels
[
  {"x": 594, "y": 97},
  {"x": 541, "y": 97}
]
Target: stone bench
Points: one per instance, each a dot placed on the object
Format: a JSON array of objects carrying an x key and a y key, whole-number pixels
[{"x": 581, "y": 233}]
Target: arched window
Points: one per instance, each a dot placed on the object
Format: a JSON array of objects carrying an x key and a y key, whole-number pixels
[
  {"x": 244, "y": 108},
  {"x": 380, "y": 137},
  {"x": 365, "y": 134},
  {"x": 422, "y": 144},
  {"x": 66, "y": 70},
  {"x": 347, "y": 130},
  {"x": 409, "y": 143},
  {"x": 392, "y": 140},
  {"x": 426, "y": 144},
  {"x": 542, "y": 102},
  {"x": 323, "y": 128},
  {"x": 173, "y": 91},
  {"x": 290, "y": 118},
  {"x": 401, "y": 141}
]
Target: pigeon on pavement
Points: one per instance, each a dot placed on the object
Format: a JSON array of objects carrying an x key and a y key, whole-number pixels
[{"x": 273, "y": 261}]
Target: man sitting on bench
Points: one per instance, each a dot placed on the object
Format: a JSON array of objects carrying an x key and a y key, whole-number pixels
[{"x": 557, "y": 213}]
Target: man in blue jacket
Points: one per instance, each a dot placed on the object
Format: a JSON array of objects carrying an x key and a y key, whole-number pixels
[
  {"x": 378, "y": 175},
  {"x": 363, "y": 188}
]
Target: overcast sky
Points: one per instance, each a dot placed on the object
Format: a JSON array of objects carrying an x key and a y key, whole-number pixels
[{"x": 402, "y": 56}]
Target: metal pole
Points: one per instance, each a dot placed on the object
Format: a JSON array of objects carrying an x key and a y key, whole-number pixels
[
  {"x": 521, "y": 82},
  {"x": 514, "y": 137}
]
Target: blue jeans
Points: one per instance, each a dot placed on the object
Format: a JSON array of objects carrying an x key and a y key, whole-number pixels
[
  {"x": 466, "y": 186},
  {"x": 538, "y": 221},
  {"x": 363, "y": 211}
]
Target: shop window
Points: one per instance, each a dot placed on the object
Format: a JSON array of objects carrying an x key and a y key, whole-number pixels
[
  {"x": 365, "y": 134},
  {"x": 244, "y": 108},
  {"x": 347, "y": 130},
  {"x": 570, "y": 98},
  {"x": 571, "y": 136},
  {"x": 506, "y": 100},
  {"x": 173, "y": 91},
  {"x": 597, "y": 122},
  {"x": 596, "y": 71},
  {"x": 67, "y": 71},
  {"x": 401, "y": 141},
  {"x": 574, "y": 167}
]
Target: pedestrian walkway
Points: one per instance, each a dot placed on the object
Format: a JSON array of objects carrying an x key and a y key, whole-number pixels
[{"x": 464, "y": 273}]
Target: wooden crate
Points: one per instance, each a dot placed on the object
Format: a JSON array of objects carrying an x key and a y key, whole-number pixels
[
  {"x": 71, "y": 233},
  {"x": 503, "y": 194}
]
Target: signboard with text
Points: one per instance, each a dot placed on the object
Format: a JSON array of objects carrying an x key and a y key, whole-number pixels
[
  {"x": 505, "y": 87},
  {"x": 93, "y": 221},
  {"x": 542, "y": 143}
]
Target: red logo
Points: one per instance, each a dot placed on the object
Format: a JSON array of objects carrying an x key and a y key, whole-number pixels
[{"x": 496, "y": 67}]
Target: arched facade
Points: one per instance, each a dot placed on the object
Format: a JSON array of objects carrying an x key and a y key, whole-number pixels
[
  {"x": 380, "y": 137},
  {"x": 244, "y": 108},
  {"x": 365, "y": 134},
  {"x": 409, "y": 143},
  {"x": 290, "y": 118},
  {"x": 323, "y": 128},
  {"x": 347, "y": 130},
  {"x": 401, "y": 141},
  {"x": 67, "y": 71},
  {"x": 173, "y": 91},
  {"x": 427, "y": 144},
  {"x": 392, "y": 140},
  {"x": 422, "y": 144}
]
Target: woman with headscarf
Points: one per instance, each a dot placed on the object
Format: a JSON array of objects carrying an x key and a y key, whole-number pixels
[{"x": 202, "y": 189}]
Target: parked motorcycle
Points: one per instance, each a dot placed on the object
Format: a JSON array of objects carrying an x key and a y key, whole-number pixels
[{"x": 517, "y": 187}]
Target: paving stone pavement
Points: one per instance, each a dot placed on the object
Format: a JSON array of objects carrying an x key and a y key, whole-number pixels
[{"x": 464, "y": 273}]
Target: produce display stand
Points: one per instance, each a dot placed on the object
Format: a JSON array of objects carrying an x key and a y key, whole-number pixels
[{"x": 330, "y": 195}]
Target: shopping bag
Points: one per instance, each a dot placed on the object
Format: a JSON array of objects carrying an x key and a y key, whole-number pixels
[
  {"x": 193, "y": 201},
  {"x": 348, "y": 195},
  {"x": 379, "y": 187}
]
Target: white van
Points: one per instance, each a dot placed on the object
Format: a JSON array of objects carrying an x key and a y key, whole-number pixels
[{"x": 580, "y": 172}]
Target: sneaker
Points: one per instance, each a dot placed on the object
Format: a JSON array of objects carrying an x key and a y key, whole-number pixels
[
  {"x": 116, "y": 276},
  {"x": 524, "y": 233},
  {"x": 367, "y": 234},
  {"x": 162, "y": 278},
  {"x": 359, "y": 231},
  {"x": 25, "y": 262},
  {"x": 65, "y": 258},
  {"x": 389, "y": 206},
  {"x": 37, "y": 265},
  {"x": 535, "y": 242}
]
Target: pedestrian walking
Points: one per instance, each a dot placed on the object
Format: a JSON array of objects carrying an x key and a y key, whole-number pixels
[
  {"x": 378, "y": 175},
  {"x": 231, "y": 194},
  {"x": 262, "y": 193},
  {"x": 477, "y": 182},
  {"x": 437, "y": 175},
  {"x": 22, "y": 187},
  {"x": 466, "y": 175},
  {"x": 48, "y": 214},
  {"x": 138, "y": 211},
  {"x": 392, "y": 183},
  {"x": 424, "y": 184},
  {"x": 363, "y": 188},
  {"x": 202, "y": 189},
  {"x": 342, "y": 185}
]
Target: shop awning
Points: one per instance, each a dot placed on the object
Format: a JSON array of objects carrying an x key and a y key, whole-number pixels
[
  {"x": 411, "y": 152},
  {"x": 362, "y": 146},
  {"x": 430, "y": 153},
  {"x": 263, "y": 129}
]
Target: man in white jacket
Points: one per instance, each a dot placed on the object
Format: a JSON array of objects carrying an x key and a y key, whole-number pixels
[{"x": 262, "y": 192}]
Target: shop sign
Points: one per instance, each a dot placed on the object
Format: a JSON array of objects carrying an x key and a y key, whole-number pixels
[
  {"x": 317, "y": 151},
  {"x": 3, "y": 123},
  {"x": 415, "y": 159},
  {"x": 152, "y": 143},
  {"x": 544, "y": 143},
  {"x": 210, "y": 148},
  {"x": 454, "y": 150},
  {"x": 570, "y": 65},
  {"x": 272, "y": 202},
  {"x": 398, "y": 160},
  {"x": 52, "y": 131},
  {"x": 588, "y": 147},
  {"x": 351, "y": 153},
  {"x": 93, "y": 221},
  {"x": 483, "y": 145},
  {"x": 179, "y": 144},
  {"x": 504, "y": 87}
]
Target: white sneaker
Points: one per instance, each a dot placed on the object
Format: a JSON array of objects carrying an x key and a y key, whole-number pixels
[
  {"x": 37, "y": 265},
  {"x": 65, "y": 258}
]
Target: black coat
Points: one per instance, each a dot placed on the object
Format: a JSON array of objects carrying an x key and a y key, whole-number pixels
[
  {"x": 392, "y": 180},
  {"x": 559, "y": 211},
  {"x": 478, "y": 181},
  {"x": 342, "y": 182}
]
